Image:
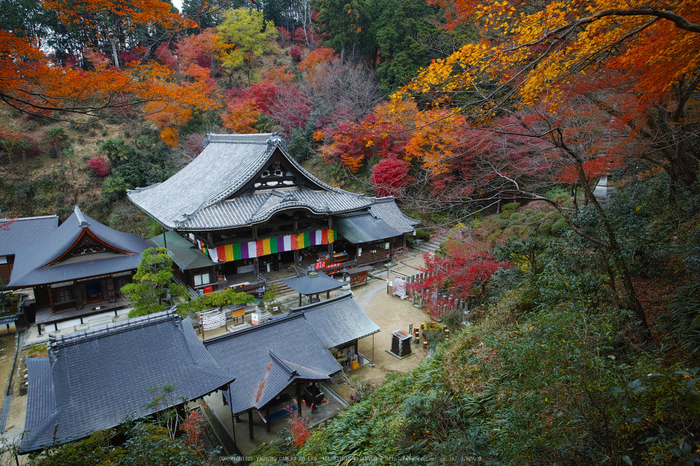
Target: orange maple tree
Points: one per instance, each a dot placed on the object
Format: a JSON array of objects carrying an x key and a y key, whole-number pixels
[
  {"x": 242, "y": 115},
  {"x": 638, "y": 52},
  {"x": 316, "y": 57},
  {"x": 32, "y": 82},
  {"x": 112, "y": 20}
]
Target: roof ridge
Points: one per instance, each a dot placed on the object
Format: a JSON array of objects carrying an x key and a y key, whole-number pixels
[
  {"x": 280, "y": 362},
  {"x": 269, "y": 323},
  {"x": 226, "y": 190},
  {"x": 383, "y": 199},
  {"x": 17, "y": 219},
  {"x": 58, "y": 341},
  {"x": 254, "y": 138},
  {"x": 302, "y": 366},
  {"x": 82, "y": 218},
  {"x": 310, "y": 307}
]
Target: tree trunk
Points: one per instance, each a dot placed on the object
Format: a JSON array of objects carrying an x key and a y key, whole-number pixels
[
  {"x": 115, "y": 55},
  {"x": 615, "y": 251}
]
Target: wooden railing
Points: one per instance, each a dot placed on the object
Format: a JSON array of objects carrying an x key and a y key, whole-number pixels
[{"x": 367, "y": 257}]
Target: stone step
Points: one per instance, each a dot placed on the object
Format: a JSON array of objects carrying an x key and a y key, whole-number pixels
[
  {"x": 281, "y": 288},
  {"x": 432, "y": 245}
]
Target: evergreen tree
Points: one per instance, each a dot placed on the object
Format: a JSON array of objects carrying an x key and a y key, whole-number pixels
[{"x": 153, "y": 283}]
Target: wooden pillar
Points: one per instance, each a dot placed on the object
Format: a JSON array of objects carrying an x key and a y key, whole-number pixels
[
  {"x": 330, "y": 245},
  {"x": 299, "y": 299},
  {"x": 53, "y": 310},
  {"x": 267, "y": 416},
  {"x": 299, "y": 400},
  {"x": 296, "y": 258},
  {"x": 250, "y": 424},
  {"x": 256, "y": 268},
  {"x": 234, "y": 418}
]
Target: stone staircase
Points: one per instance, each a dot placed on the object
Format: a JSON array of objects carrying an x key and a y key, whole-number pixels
[
  {"x": 281, "y": 287},
  {"x": 193, "y": 294},
  {"x": 432, "y": 245}
]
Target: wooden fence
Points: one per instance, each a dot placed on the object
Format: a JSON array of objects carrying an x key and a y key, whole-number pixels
[{"x": 443, "y": 303}]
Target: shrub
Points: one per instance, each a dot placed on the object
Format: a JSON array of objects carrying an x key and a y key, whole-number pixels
[
  {"x": 299, "y": 36},
  {"x": 510, "y": 207},
  {"x": 422, "y": 235},
  {"x": 23, "y": 190},
  {"x": 299, "y": 430},
  {"x": 516, "y": 216},
  {"x": 99, "y": 166},
  {"x": 299, "y": 145},
  {"x": 495, "y": 234},
  {"x": 545, "y": 228},
  {"x": 116, "y": 186},
  {"x": 211, "y": 300},
  {"x": 559, "y": 226},
  {"x": 296, "y": 53}
]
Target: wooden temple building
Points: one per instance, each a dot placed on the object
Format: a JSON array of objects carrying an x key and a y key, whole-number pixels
[
  {"x": 252, "y": 209},
  {"x": 75, "y": 269}
]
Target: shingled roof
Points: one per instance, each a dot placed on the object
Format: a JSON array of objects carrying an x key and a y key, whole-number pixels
[
  {"x": 338, "y": 321},
  {"x": 20, "y": 232},
  {"x": 96, "y": 379},
  {"x": 313, "y": 284},
  {"x": 210, "y": 193},
  {"x": 364, "y": 228},
  {"x": 44, "y": 260},
  {"x": 268, "y": 357},
  {"x": 184, "y": 254},
  {"x": 386, "y": 209}
]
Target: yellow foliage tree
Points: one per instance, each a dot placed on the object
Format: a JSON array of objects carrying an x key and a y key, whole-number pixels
[{"x": 246, "y": 36}]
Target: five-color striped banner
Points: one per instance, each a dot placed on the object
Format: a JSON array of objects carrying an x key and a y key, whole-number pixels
[{"x": 264, "y": 247}]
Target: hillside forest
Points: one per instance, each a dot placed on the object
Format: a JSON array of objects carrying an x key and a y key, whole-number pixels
[{"x": 494, "y": 121}]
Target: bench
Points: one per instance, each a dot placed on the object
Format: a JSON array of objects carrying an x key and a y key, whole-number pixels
[{"x": 281, "y": 413}]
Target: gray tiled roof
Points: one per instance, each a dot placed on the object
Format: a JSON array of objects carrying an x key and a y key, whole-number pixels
[
  {"x": 364, "y": 228},
  {"x": 268, "y": 357},
  {"x": 250, "y": 209},
  {"x": 24, "y": 231},
  {"x": 386, "y": 209},
  {"x": 184, "y": 254},
  {"x": 310, "y": 284},
  {"x": 96, "y": 379},
  {"x": 30, "y": 261},
  {"x": 338, "y": 321},
  {"x": 195, "y": 197}
]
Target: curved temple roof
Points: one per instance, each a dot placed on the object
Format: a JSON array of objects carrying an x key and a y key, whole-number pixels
[
  {"x": 201, "y": 195},
  {"x": 37, "y": 261}
]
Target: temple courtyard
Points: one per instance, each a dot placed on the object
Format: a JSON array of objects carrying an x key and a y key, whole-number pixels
[{"x": 388, "y": 312}]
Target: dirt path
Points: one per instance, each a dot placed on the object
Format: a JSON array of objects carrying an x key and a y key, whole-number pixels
[
  {"x": 389, "y": 313},
  {"x": 7, "y": 355}
]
